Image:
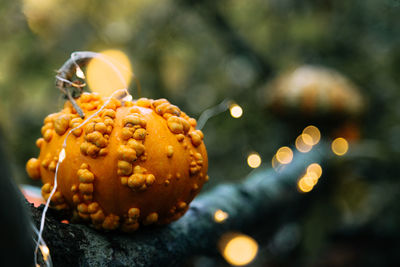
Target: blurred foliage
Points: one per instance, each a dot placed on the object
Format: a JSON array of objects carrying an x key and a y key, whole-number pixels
[{"x": 198, "y": 53}]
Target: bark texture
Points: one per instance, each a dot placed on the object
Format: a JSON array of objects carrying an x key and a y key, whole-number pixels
[{"x": 247, "y": 203}]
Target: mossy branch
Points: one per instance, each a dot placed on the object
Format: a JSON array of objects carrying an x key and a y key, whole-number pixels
[{"x": 195, "y": 233}]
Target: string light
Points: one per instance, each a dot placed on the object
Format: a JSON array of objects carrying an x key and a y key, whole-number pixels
[
  {"x": 220, "y": 216},
  {"x": 238, "y": 249},
  {"x": 254, "y": 160},
  {"x": 340, "y": 146},
  {"x": 61, "y": 156},
  {"x": 44, "y": 250},
  {"x": 211, "y": 112},
  {"x": 236, "y": 111},
  {"x": 121, "y": 94}
]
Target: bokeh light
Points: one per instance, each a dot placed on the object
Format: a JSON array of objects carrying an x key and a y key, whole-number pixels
[
  {"x": 238, "y": 249},
  {"x": 254, "y": 160},
  {"x": 307, "y": 182},
  {"x": 277, "y": 165},
  {"x": 310, "y": 179},
  {"x": 284, "y": 155},
  {"x": 274, "y": 162},
  {"x": 108, "y": 73},
  {"x": 236, "y": 111},
  {"x": 314, "y": 134},
  {"x": 220, "y": 216},
  {"x": 304, "y": 186},
  {"x": 43, "y": 15},
  {"x": 340, "y": 146},
  {"x": 303, "y": 143},
  {"x": 315, "y": 168}
]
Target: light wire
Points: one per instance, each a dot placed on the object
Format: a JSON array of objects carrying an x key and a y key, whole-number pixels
[{"x": 61, "y": 158}]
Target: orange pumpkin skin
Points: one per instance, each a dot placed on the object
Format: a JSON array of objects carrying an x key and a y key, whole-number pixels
[{"x": 134, "y": 163}]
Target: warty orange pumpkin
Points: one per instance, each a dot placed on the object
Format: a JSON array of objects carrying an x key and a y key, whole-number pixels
[{"x": 135, "y": 163}]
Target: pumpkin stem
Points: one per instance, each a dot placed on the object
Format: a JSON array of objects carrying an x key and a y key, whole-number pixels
[
  {"x": 67, "y": 71},
  {"x": 75, "y": 105}
]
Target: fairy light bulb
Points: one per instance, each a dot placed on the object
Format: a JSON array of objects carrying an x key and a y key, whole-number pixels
[
  {"x": 79, "y": 73},
  {"x": 45, "y": 252},
  {"x": 254, "y": 160},
  {"x": 220, "y": 216},
  {"x": 61, "y": 156},
  {"x": 236, "y": 111}
]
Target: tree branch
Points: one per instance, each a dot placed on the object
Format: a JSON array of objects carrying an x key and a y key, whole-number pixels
[
  {"x": 195, "y": 233},
  {"x": 230, "y": 38}
]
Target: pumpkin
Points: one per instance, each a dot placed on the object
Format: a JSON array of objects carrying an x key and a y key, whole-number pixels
[
  {"x": 317, "y": 95},
  {"x": 314, "y": 91},
  {"x": 135, "y": 163}
]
